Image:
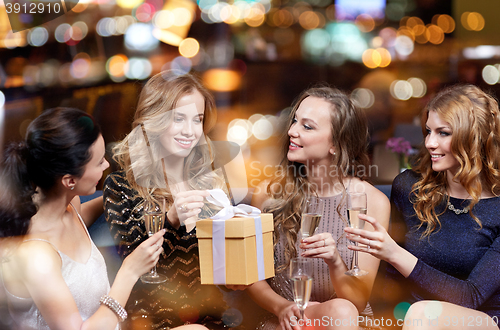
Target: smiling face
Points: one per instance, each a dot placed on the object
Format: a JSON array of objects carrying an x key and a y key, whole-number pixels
[
  {"x": 86, "y": 184},
  {"x": 186, "y": 128},
  {"x": 310, "y": 133},
  {"x": 438, "y": 143}
]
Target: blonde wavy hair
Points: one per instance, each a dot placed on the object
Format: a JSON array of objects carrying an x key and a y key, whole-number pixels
[
  {"x": 474, "y": 119},
  {"x": 137, "y": 154},
  {"x": 290, "y": 186}
]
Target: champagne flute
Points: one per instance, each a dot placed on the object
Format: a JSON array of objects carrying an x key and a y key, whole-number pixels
[
  {"x": 301, "y": 276},
  {"x": 311, "y": 216},
  {"x": 356, "y": 204},
  {"x": 154, "y": 219}
]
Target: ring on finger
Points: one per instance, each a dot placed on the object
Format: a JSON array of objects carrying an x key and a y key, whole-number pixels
[
  {"x": 369, "y": 246},
  {"x": 183, "y": 208},
  {"x": 324, "y": 243}
]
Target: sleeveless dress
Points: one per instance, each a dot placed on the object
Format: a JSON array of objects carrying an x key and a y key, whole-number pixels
[
  {"x": 87, "y": 282},
  {"x": 322, "y": 289}
]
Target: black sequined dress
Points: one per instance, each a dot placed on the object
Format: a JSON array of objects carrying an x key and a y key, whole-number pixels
[{"x": 181, "y": 299}]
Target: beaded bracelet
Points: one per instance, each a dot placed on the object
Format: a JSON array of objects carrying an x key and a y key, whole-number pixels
[{"x": 114, "y": 306}]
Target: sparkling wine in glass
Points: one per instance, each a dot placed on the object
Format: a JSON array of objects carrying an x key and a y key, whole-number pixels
[
  {"x": 301, "y": 276},
  {"x": 356, "y": 204},
  {"x": 154, "y": 219},
  {"x": 311, "y": 216}
]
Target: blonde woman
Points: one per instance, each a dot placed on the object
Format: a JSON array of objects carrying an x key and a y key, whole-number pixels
[
  {"x": 324, "y": 155},
  {"x": 167, "y": 155},
  {"x": 450, "y": 205}
]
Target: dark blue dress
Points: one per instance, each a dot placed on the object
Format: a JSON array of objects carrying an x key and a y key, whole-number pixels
[{"x": 460, "y": 263}]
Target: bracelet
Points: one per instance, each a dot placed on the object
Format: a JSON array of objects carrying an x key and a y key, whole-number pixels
[{"x": 114, "y": 306}]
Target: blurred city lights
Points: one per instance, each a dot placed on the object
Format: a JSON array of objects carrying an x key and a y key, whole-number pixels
[
  {"x": 239, "y": 130},
  {"x": 436, "y": 34},
  {"x": 222, "y": 80},
  {"x": 363, "y": 97},
  {"x": 472, "y": 21},
  {"x": 445, "y": 22},
  {"x": 80, "y": 68},
  {"x": 62, "y": 33},
  {"x": 78, "y": 31},
  {"x": 404, "y": 45},
  {"x": 189, "y": 47},
  {"x": 115, "y": 65},
  {"x": 105, "y": 27},
  {"x": 181, "y": 64},
  {"x": 163, "y": 19},
  {"x": 490, "y": 74},
  {"x": 38, "y": 36},
  {"x": 128, "y": 3},
  {"x": 401, "y": 90},
  {"x": 144, "y": 12},
  {"x": 262, "y": 129},
  {"x": 138, "y": 68},
  {"x": 419, "y": 88},
  {"x": 139, "y": 36},
  {"x": 365, "y": 23}
]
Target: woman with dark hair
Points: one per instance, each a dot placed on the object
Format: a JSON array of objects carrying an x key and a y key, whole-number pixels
[
  {"x": 324, "y": 155},
  {"x": 54, "y": 276},
  {"x": 167, "y": 155},
  {"x": 450, "y": 204}
]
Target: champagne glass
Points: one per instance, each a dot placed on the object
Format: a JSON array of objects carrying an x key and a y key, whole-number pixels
[
  {"x": 301, "y": 276},
  {"x": 154, "y": 219},
  {"x": 311, "y": 216},
  {"x": 356, "y": 204}
]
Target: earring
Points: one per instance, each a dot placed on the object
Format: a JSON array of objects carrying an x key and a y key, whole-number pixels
[{"x": 72, "y": 188}]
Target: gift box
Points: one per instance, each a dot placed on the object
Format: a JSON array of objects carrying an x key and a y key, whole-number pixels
[{"x": 236, "y": 251}]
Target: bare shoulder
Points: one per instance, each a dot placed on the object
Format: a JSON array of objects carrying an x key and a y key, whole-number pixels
[{"x": 34, "y": 260}]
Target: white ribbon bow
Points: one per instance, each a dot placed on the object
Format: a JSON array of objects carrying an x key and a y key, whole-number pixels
[{"x": 218, "y": 197}]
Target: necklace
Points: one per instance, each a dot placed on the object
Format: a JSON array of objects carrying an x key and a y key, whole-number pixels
[{"x": 457, "y": 211}]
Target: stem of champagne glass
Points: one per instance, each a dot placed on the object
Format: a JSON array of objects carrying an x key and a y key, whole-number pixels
[
  {"x": 153, "y": 271},
  {"x": 302, "y": 312},
  {"x": 355, "y": 257}
]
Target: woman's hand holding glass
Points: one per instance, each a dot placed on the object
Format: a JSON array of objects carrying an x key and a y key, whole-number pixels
[
  {"x": 145, "y": 256},
  {"x": 378, "y": 243},
  {"x": 320, "y": 246},
  {"x": 154, "y": 220}
]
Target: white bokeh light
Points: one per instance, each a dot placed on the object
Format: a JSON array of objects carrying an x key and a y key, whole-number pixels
[
  {"x": 262, "y": 129},
  {"x": 363, "y": 97},
  {"x": 419, "y": 87},
  {"x": 490, "y": 74},
  {"x": 401, "y": 90}
]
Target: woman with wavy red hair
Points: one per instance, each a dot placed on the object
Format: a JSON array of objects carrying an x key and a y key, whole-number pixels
[{"x": 450, "y": 205}]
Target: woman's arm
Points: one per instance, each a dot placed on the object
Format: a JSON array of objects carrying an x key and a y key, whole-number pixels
[
  {"x": 91, "y": 210},
  {"x": 38, "y": 266}
]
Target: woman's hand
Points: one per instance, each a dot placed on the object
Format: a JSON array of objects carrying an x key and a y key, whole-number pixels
[
  {"x": 378, "y": 243},
  {"x": 287, "y": 314},
  {"x": 145, "y": 256},
  {"x": 321, "y": 246},
  {"x": 187, "y": 205}
]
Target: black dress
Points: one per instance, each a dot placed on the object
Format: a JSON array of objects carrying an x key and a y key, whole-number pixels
[{"x": 181, "y": 299}]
